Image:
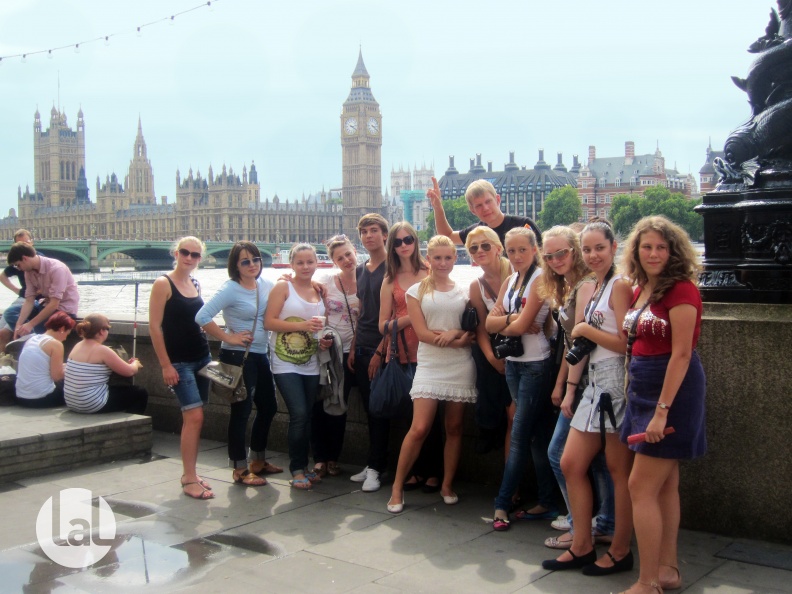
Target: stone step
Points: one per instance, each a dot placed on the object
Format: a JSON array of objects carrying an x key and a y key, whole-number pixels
[{"x": 37, "y": 442}]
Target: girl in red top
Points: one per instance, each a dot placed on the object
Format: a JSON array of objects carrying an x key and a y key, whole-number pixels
[{"x": 666, "y": 389}]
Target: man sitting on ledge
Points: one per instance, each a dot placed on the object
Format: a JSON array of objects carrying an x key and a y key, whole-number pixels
[{"x": 47, "y": 277}]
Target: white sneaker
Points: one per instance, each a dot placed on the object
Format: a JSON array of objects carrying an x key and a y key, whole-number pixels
[
  {"x": 372, "y": 482},
  {"x": 561, "y": 523},
  {"x": 360, "y": 476}
]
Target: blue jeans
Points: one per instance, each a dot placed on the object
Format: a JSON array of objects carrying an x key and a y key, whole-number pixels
[
  {"x": 528, "y": 383},
  {"x": 327, "y": 431},
  {"x": 603, "y": 485},
  {"x": 299, "y": 392},
  {"x": 192, "y": 389},
  {"x": 260, "y": 390}
]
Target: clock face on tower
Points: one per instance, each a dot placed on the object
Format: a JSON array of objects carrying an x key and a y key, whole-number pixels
[
  {"x": 373, "y": 126},
  {"x": 350, "y": 126}
]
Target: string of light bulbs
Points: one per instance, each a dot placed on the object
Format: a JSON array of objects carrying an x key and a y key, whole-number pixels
[{"x": 106, "y": 38}]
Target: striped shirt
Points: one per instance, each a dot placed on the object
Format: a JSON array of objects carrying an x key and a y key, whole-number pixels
[{"x": 85, "y": 386}]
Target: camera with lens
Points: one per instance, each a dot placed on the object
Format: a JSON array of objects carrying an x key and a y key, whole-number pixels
[
  {"x": 580, "y": 348},
  {"x": 507, "y": 346}
]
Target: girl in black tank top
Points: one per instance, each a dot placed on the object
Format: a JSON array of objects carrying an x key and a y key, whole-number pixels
[{"x": 184, "y": 339}]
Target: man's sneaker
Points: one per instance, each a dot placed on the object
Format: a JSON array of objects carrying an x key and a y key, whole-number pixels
[
  {"x": 372, "y": 482},
  {"x": 360, "y": 476},
  {"x": 561, "y": 523}
]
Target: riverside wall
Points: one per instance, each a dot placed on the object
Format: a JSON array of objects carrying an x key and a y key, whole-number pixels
[{"x": 740, "y": 488}]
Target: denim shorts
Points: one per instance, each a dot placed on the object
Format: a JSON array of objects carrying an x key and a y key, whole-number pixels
[
  {"x": 605, "y": 377},
  {"x": 192, "y": 389}
]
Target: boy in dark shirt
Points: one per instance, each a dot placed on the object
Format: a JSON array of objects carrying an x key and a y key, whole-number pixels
[{"x": 364, "y": 356}]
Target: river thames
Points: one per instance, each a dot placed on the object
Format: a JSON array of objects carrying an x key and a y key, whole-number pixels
[{"x": 117, "y": 301}]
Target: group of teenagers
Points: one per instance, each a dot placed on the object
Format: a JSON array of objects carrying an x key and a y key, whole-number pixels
[
  {"x": 648, "y": 307},
  {"x": 42, "y": 318},
  {"x": 646, "y": 313}
]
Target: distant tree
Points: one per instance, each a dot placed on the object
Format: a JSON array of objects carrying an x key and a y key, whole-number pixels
[
  {"x": 561, "y": 207},
  {"x": 657, "y": 200},
  {"x": 457, "y": 213},
  {"x": 626, "y": 210}
]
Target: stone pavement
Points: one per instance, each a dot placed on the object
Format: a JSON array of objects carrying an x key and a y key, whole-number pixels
[{"x": 332, "y": 539}]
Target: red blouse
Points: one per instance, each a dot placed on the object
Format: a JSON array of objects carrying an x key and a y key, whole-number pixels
[{"x": 653, "y": 333}]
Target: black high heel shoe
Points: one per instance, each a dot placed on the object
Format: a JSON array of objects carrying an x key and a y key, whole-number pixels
[
  {"x": 575, "y": 563},
  {"x": 623, "y": 564}
]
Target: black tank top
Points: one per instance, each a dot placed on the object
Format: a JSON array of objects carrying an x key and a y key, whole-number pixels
[{"x": 185, "y": 340}]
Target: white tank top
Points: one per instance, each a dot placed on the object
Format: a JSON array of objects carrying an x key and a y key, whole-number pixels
[
  {"x": 535, "y": 346},
  {"x": 33, "y": 377},
  {"x": 489, "y": 302},
  {"x": 601, "y": 316},
  {"x": 295, "y": 352}
]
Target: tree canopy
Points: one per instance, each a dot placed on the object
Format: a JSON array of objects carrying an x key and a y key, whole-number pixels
[
  {"x": 561, "y": 207},
  {"x": 627, "y": 210},
  {"x": 457, "y": 213}
]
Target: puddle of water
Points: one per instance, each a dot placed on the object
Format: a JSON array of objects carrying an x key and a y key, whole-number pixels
[
  {"x": 249, "y": 542},
  {"x": 126, "y": 508}
]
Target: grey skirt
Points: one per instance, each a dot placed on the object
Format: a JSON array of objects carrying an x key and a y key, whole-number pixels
[{"x": 603, "y": 405}]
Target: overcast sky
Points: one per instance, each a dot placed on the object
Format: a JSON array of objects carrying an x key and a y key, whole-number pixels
[{"x": 264, "y": 81}]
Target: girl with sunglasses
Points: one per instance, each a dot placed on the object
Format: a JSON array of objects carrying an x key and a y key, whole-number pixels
[
  {"x": 182, "y": 350},
  {"x": 445, "y": 371},
  {"x": 521, "y": 312},
  {"x": 343, "y": 310},
  {"x": 404, "y": 268},
  {"x": 243, "y": 301},
  {"x": 493, "y": 399},
  {"x": 567, "y": 283}
]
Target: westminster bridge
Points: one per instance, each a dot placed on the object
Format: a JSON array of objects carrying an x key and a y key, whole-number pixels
[{"x": 89, "y": 255}]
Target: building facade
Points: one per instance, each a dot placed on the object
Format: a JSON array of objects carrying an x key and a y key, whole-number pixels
[
  {"x": 408, "y": 189},
  {"x": 361, "y": 148},
  {"x": 222, "y": 207},
  {"x": 522, "y": 190},
  {"x": 601, "y": 179},
  {"x": 708, "y": 178}
]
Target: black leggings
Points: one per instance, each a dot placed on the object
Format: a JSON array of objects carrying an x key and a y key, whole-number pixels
[
  {"x": 51, "y": 400},
  {"x": 131, "y": 399}
]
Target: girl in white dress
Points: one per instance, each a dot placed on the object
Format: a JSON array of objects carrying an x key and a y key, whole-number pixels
[{"x": 445, "y": 368}]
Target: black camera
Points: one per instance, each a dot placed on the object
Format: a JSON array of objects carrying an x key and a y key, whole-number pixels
[
  {"x": 507, "y": 346},
  {"x": 580, "y": 348}
]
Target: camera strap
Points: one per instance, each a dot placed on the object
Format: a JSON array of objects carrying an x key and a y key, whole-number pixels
[
  {"x": 513, "y": 305},
  {"x": 594, "y": 301}
]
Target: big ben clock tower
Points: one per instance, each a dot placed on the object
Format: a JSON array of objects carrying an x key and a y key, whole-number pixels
[{"x": 361, "y": 146}]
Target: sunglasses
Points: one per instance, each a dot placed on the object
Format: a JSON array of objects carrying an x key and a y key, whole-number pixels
[
  {"x": 337, "y": 239},
  {"x": 194, "y": 255},
  {"x": 250, "y": 262},
  {"x": 107, "y": 328},
  {"x": 473, "y": 249},
  {"x": 409, "y": 240},
  {"x": 559, "y": 255}
]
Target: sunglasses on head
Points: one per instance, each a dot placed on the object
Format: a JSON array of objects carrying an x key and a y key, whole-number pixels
[
  {"x": 250, "y": 262},
  {"x": 473, "y": 249},
  {"x": 185, "y": 253},
  {"x": 559, "y": 255},
  {"x": 409, "y": 240}
]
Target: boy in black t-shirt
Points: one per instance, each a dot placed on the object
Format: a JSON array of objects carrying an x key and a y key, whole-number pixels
[{"x": 484, "y": 202}]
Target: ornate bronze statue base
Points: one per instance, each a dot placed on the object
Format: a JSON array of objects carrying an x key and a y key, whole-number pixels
[{"x": 748, "y": 245}]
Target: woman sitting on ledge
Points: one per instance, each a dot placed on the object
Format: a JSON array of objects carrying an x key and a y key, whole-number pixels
[
  {"x": 40, "y": 375},
  {"x": 88, "y": 370}
]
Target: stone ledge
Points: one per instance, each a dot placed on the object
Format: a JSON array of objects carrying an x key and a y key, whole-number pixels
[{"x": 37, "y": 442}]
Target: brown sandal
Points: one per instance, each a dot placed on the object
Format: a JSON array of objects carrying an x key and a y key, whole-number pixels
[
  {"x": 267, "y": 468},
  {"x": 248, "y": 478},
  {"x": 333, "y": 468},
  {"x": 204, "y": 494}
]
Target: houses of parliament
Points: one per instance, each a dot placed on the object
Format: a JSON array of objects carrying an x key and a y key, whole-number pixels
[{"x": 223, "y": 206}]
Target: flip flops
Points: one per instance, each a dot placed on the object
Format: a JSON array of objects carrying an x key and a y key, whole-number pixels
[
  {"x": 500, "y": 524},
  {"x": 302, "y": 484}
]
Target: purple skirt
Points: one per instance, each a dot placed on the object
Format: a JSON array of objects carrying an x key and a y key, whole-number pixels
[{"x": 687, "y": 414}]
